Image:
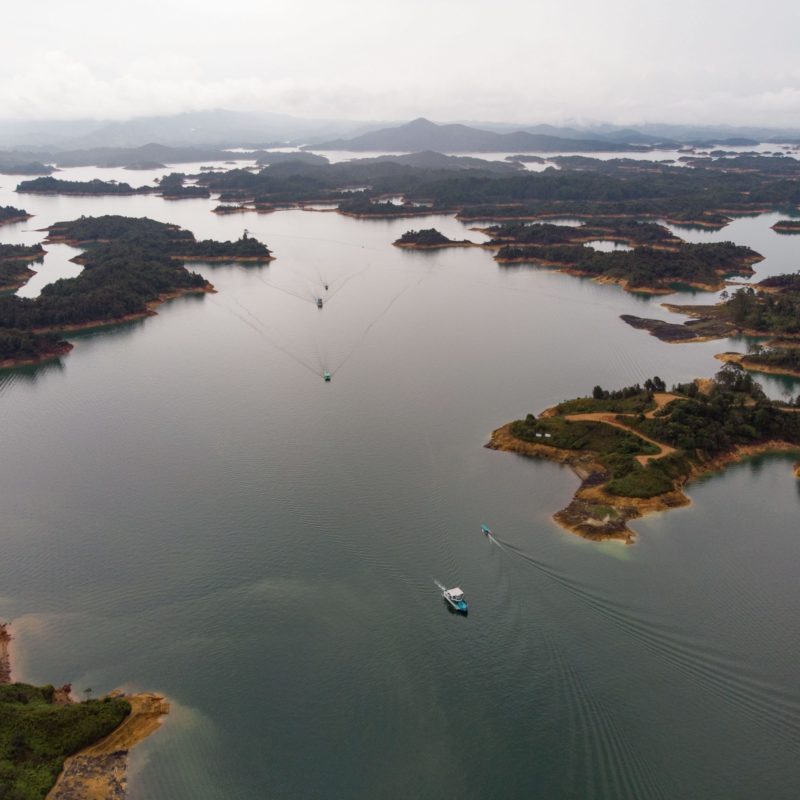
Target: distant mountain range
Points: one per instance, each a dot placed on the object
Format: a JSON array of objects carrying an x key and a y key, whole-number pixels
[
  {"x": 422, "y": 134},
  {"x": 258, "y": 130}
]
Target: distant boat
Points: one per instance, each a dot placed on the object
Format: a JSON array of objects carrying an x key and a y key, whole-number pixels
[
  {"x": 455, "y": 597},
  {"x": 486, "y": 530},
  {"x": 326, "y": 376},
  {"x": 319, "y": 302}
]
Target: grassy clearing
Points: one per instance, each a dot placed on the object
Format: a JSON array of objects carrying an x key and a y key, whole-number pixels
[{"x": 581, "y": 435}]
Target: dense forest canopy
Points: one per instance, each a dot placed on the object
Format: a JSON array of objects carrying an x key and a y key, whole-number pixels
[
  {"x": 775, "y": 312},
  {"x": 586, "y": 186}
]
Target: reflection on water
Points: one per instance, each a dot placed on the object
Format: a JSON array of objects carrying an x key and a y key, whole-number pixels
[{"x": 29, "y": 374}]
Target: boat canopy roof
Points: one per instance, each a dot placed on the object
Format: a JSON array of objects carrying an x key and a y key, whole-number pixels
[{"x": 455, "y": 592}]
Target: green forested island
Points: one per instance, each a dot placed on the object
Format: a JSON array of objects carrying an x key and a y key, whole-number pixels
[
  {"x": 644, "y": 269},
  {"x": 169, "y": 240},
  {"x": 38, "y": 730},
  {"x": 623, "y": 231},
  {"x": 130, "y": 265},
  {"x": 655, "y": 262},
  {"x": 637, "y": 447},
  {"x": 51, "y": 185},
  {"x": 429, "y": 239}
]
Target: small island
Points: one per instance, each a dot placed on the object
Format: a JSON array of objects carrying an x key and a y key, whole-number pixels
[
  {"x": 787, "y": 226},
  {"x": 636, "y": 448},
  {"x": 9, "y": 214},
  {"x": 229, "y": 209},
  {"x": 429, "y": 239},
  {"x": 131, "y": 266},
  {"x": 54, "y": 746}
]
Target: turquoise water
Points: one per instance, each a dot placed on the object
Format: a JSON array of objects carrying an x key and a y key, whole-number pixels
[{"x": 188, "y": 508}]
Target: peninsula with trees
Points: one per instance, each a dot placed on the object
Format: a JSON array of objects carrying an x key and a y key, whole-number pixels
[
  {"x": 53, "y": 745},
  {"x": 768, "y": 310},
  {"x": 787, "y": 226},
  {"x": 10, "y": 214},
  {"x": 131, "y": 266},
  {"x": 15, "y": 264},
  {"x": 635, "y": 449}
]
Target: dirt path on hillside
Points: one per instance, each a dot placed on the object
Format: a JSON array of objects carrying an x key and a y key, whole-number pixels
[{"x": 609, "y": 419}]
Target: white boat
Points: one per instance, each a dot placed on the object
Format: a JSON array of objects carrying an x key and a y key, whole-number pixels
[{"x": 455, "y": 597}]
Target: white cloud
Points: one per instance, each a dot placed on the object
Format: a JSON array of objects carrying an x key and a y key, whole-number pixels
[{"x": 544, "y": 60}]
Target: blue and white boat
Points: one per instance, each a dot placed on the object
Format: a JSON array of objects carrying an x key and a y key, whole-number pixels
[
  {"x": 455, "y": 597},
  {"x": 486, "y": 530}
]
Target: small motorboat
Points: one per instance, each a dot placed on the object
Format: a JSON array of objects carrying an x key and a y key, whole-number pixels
[
  {"x": 319, "y": 302},
  {"x": 486, "y": 530},
  {"x": 455, "y": 598},
  {"x": 326, "y": 376}
]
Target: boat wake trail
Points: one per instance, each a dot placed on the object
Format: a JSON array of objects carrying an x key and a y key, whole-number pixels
[
  {"x": 439, "y": 585},
  {"x": 374, "y": 322},
  {"x": 773, "y": 707},
  {"x": 255, "y": 324},
  {"x": 603, "y": 758},
  {"x": 310, "y": 299},
  {"x": 604, "y": 762}
]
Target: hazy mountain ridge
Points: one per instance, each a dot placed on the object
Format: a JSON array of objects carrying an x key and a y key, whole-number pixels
[
  {"x": 423, "y": 135},
  {"x": 43, "y": 139}
]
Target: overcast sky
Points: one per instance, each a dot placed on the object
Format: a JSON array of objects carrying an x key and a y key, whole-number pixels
[{"x": 624, "y": 61}]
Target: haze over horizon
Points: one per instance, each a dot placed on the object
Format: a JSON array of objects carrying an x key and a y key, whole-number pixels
[{"x": 622, "y": 62}]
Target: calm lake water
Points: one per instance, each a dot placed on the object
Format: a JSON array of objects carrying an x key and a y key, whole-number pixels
[{"x": 188, "y": 508}]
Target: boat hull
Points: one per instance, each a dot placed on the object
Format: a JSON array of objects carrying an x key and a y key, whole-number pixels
[{"x": 456, "y": 608}]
